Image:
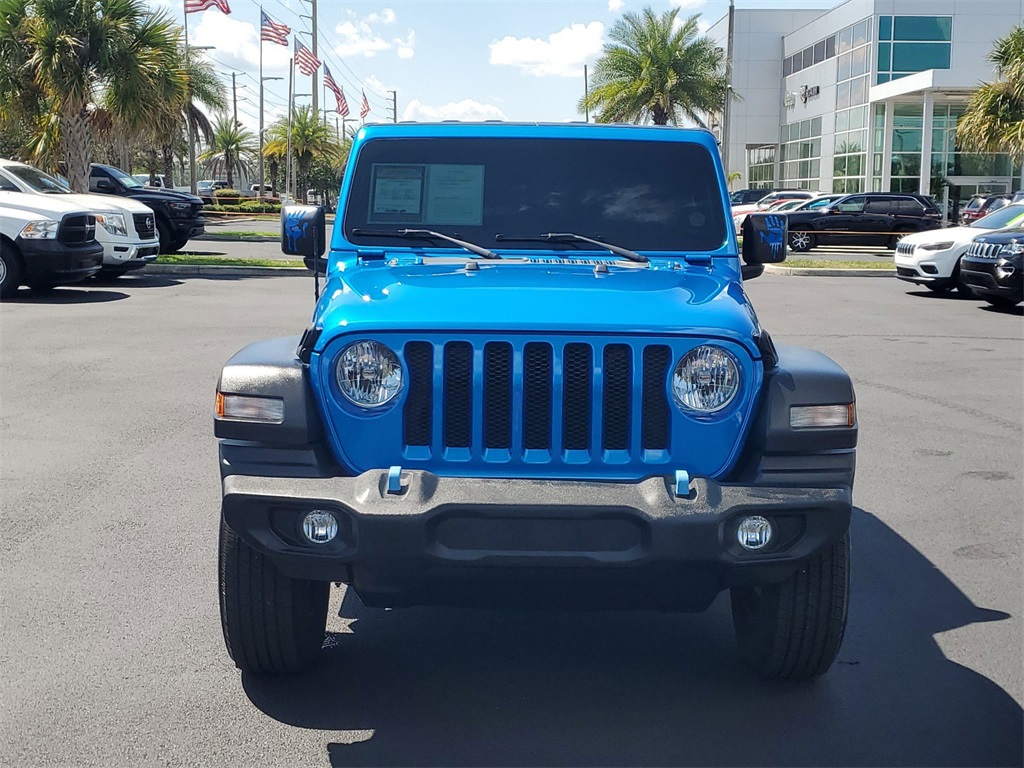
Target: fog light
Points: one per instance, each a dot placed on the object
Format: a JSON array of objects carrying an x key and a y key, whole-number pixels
[
  {"x": 319, "y": 526},
  {"x": 754, "y": 532}
]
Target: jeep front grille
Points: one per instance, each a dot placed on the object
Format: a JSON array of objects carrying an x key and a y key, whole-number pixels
[
  {"x": 984, "y": 250},
  {"x": 905, "y": 248},
  {"x": 576, "y": 396}
]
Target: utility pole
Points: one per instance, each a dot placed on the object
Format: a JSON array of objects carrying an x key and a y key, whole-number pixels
[
  {"x": 234, "y": 98},
  {"x": 394, "y": 106},
  {"x": 727, "y": 110}
]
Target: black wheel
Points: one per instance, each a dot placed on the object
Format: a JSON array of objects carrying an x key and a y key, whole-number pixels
[
  {"x": 898, "y": 235},
  {"x": 41, "y": 287},
  {"x": 178, "y": 244},
  {"x": 166, "y": 240},
  {"x": 801, "y": 241},
  {"x": 272, "y": 624},
  {"x": 10, "y": 270},
  {"x": 1001, "y": 301},
  {"x": 962, "y": 288},
  {"x": 793, "y": 630}
]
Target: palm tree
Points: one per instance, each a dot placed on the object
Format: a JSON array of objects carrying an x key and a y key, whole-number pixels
[
  {"x": 657, "y": 69},
  {"x": 61, "y": 59},
  {"x": 231, "y": 149},
  {"x": 311, "y": 138},
  {"x": 994, "y": 120}
]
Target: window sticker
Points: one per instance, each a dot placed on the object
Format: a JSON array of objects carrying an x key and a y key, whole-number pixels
[
  {"x": 397, "y": 193},
  {"x": 455, "y": 195}
]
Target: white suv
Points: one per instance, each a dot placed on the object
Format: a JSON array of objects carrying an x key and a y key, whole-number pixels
[
  {"x": 932, "y": 258},
  {"x": 125, "y": 227}
]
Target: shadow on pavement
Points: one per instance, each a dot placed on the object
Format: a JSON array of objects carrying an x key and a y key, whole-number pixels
[
  {"x": 462, "y": 688},
  {"x": 1018, "y": 310},
  {"x": 138, "y": 280},
  {"x": 79, "y": 293}
]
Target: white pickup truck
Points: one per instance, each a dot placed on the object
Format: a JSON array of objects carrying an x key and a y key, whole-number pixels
[
  {"x": 125, "y": 227},
  {"x": 45, "y": 241}
]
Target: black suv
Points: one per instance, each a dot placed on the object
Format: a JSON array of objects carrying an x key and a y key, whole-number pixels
[
  {"x": 866, "y": 218},
  {"x": 179, "y": 215},
  {"x": 994, "y": 267},
  {"x": 747, "y": 196}
]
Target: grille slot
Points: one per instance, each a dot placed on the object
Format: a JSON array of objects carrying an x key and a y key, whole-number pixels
[
  {"x": 577, "y": 378},
  {"x": 537, "y": 368},
  {"x": 618, "y": 378},
  {"x": 419, "y": 403},
  {"x": 654, "y": 428},
  {"x": 984, "y": 250},
  {"x": 458, "y": 394},
  {"x": 498, "y": 395}
]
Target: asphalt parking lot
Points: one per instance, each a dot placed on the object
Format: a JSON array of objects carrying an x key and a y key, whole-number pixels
[{"x": 112, "y": 653}]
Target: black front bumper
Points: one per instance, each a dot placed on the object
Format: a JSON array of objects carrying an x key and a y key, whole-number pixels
[
  {"x": 51, "y": 261},
  {"x": 472, "y": 541},
  {"x": 190, "y": 227},
  {"x": 1002, "y": 277}
]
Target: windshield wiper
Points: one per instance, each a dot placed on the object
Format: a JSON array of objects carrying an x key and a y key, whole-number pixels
[
  {"x": 428, "y": 234},
  {"x": 563, "y": 237}
]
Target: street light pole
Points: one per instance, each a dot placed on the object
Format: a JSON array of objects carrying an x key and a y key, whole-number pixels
[{"x": 727, "y": 110}]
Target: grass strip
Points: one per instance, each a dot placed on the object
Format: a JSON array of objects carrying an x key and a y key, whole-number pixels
[
  {"x": 827, "y": 264},
  {"x": 223, "y": 261},
  {"x": 242, "y": 234}
]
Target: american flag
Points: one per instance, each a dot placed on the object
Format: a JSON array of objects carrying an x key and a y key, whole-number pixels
[
  {"x": 195, "y": 6},
  {"x": 308, "y": 63},
  {"x": 336, "y": 90},
  {"x": 364, "y": 108},
  {"x": 273, "y": 32}
]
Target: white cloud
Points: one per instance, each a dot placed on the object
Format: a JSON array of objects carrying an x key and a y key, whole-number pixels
[
  {"x": 562, "y": 54},
  {"x": 237, "y": 44},
  {"x": 686, "y": 3},
  {"x": 614, "y": 5},
  {"x": 359, "y": 36},
  {"x": 703, "y": 26},
  {"x": 467, "y": 110}
]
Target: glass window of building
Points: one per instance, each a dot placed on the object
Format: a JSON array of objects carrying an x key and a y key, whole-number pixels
[
  {"x": 800, "y": 154},
  {"x": 761, "y": 167},
  {"x": 909, "y": 44},
  {"x": 849, "y": 168}
]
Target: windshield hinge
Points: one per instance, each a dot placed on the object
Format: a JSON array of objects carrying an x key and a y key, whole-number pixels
[
  {"x": 370, "y": 254},
  {"x": 698, "y": 259}
]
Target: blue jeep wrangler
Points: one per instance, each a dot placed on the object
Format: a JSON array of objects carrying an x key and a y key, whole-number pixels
[{"x": 533, "y": 378}]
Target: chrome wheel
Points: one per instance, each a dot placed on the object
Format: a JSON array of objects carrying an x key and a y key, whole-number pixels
[{"x": 800, "y": 241}]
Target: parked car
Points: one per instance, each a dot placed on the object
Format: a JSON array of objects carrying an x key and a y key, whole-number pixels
[
  {"x": 266, "y": 191},
  {"x": 45, "y": 242},
  {"x": 739, "y": 212},
  {"x": 493, "y": 404},
  {"x": 994, "y": 267},
  {"x": 867, "y": 218},
  {"x": 157, "y": 181},
  {"x": 932, "y": 258},
  {"x": 1018, "y": 197},
  {"x": 126, "y": 227},
  {"x": 747, "y": 196},
  {"x": 984, "y": 206},
  {"x": 179, "y": 215}
]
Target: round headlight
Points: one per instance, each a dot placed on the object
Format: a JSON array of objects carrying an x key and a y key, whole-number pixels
[
  {"x": 368, "y": 373},
  {"x": 705, "y": 380}
]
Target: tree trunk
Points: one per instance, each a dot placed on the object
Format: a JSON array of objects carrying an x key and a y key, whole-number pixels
[
  {"x": 168, "y": 155},
  {"x": 230, "y": 168},
  {"x": 74, "y": 141},
  {"x": 659, "y": 115},
  {"x": 273, "y": 178}
]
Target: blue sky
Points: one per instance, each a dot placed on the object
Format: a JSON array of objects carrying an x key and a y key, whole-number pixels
[{"x": 461, "y": 59}]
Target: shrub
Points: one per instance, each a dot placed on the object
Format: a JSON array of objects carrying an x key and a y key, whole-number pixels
[{"x": 226, "y": 193}]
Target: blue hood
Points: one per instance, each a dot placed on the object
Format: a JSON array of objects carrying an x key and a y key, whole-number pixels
[{"x": 524, "y": 297}]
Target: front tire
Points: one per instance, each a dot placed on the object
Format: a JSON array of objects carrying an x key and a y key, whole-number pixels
[
  {"x": 1001, "y": 301},
  {"x": 272, "y": 624},
  {"x": 10, "y": 271},
  {"x": 793, "y": 630},
  {"x": 801, "y": 242}
]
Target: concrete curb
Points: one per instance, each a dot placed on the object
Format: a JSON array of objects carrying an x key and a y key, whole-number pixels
[
  {"x": 236, "y": 238},
  {"x": 210, "y": 270},
  {"x": 804, "y": 272}
]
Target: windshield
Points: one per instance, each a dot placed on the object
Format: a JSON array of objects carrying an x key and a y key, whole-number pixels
[
  {"x": 641, "y": 195},
  {"x": 130, "y": 182},
  {"x": 1001, "y": 218},
  {"x": 37, "y": 180}
]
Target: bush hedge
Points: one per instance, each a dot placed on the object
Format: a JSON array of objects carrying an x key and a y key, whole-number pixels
[{"x": 250, "y": 206}]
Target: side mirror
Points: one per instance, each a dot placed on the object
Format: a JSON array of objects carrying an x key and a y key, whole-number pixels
[
  {"x": 105, "y": 185},
  {"x": 303, "y": 231},
  {"x": 765, "y": 239}
]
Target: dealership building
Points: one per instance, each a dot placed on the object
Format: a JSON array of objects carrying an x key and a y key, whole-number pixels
[{"x": 864, "y": 96}]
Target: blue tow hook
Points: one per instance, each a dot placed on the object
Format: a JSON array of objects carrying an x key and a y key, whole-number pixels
[
  {"x": 682, "y": 483},
  {"x": 395, "y": 479}
]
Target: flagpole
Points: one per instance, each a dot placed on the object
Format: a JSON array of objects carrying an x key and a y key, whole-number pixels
[
  {"x": 259, "y": 193},
  {"x": 291, "y": 96}
]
